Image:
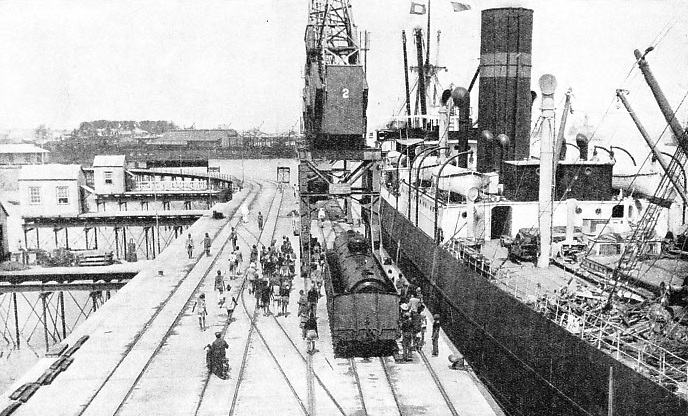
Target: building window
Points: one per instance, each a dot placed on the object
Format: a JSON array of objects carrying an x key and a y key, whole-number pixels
[
  {"x": 108, "y": 178},
  {"x": 62, "y": 195},
  {"x": 34, "y": 194}
]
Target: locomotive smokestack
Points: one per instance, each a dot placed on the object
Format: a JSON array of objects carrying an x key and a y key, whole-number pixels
[{"x": 505, "y": 100}]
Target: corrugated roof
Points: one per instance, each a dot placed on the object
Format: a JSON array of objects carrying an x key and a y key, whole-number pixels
[
  {"x": 21, "y": 148},
  {"x": 50, "y": 171},
  {"x": 109, "y": 161}
]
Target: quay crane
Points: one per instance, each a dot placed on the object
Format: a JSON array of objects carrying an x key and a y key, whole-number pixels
[{"x": 335, "y": 100}]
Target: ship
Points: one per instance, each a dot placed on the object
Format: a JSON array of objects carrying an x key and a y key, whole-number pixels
[{"x": 454, "y": 192}]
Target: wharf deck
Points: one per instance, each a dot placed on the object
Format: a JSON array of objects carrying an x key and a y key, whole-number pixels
[{"x": 144, "y": 353}]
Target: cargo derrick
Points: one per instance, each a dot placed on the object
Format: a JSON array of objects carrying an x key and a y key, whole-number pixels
[
  {"x": 333, "y": 159},
  {"x": 638, "y": 245}
]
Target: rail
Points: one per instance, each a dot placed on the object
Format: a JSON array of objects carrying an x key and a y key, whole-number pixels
[
  {"x": 640, "y": 354},
  {"x": 150, "y": 186}
]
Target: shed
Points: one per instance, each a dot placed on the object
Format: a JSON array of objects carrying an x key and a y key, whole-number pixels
[{"x": 109, "y": 176}]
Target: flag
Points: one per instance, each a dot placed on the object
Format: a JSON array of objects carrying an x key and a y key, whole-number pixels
[
  {"x": 417, "y": 8},
  {"x": 460, "y": 7}
]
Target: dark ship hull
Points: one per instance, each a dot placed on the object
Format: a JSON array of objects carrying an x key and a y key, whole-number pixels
[{"x": 531, "y": 365}]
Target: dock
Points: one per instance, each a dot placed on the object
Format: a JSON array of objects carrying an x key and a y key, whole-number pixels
[{"x": 142, "y": 352}]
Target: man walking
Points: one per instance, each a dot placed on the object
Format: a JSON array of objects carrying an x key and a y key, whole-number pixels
[
  {"x": 189, "y": 246},
  {"x": 233, "y": 237},
  {"x": 220, "y": 287},
  {"x": 206, "y": 244},
  {"x": 260, "y": 221}
]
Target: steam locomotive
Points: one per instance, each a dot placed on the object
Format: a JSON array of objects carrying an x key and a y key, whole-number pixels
[{"x": 362, "y": 302}]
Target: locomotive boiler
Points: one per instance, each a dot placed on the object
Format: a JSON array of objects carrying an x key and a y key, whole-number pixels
[{"x": 362, "y": 303}]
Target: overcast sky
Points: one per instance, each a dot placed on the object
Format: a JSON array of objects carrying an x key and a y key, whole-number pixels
[{"x": 240, "y": 61}]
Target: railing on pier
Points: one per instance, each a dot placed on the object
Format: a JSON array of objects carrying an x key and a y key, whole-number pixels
[
  {"x": 640, "y": 354},
  {"x": 152, "y": 186}
]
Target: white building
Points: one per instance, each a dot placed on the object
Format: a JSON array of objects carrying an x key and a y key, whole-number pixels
[
  {"x": 52, "y": 191},
  {"x": 109, "y": 176}
]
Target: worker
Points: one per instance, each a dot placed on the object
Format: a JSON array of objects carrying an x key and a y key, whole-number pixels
[
  {"x": 251, "y": 275},
  {"x": 311, "y": 330},
  {"x": 312, "y": 297},
  {"x": 189, "y": 246},
  {"x": 131, "y": 251},
  {"x": 219, "y": 364},
  {"x": 265, "y": 297},
  {"x": 284, "y": 293},
  {"x": 407, "y": 335},
  {"x": 413, "y": 303},
  {"x": 232, "y": 258},
  {"x": 321, "y": 217},
  {"x": 220, "y": 287},
  {"x": 253, "y": 257},
  {"x": 260, "y": 221},
  {"x": 206, "y": 244},
  {"x": 201, "y": 312},
  {"x": 436, "y": 326},
  {"x": 233, "y": 237},
  {"x": 239, "y": 259},
  {"x": 423, "y": 325}
]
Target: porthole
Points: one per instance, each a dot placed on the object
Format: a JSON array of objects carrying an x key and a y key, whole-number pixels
[
  {"x": 464, "y": 214},
  {"x": 588, "y": 171},
  {"x": 579, "y": 210},
  {"x": 598, "y": 211},
  {"x": 537, "y": 171}
]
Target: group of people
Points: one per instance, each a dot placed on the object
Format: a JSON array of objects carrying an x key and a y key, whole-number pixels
[
  {"x": 414, "y": 322},
  {"x": 207, "y": 242},
  {"x": 278, "y": 265}
]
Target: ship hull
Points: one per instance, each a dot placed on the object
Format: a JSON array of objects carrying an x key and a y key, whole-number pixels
[{"x": 531, "y": 365}]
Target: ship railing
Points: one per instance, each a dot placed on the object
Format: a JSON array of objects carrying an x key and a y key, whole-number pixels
[{"x": 643, "y": 355}]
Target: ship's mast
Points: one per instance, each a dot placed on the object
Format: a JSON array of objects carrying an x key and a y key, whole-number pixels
[{"x": 548, "y": 84}]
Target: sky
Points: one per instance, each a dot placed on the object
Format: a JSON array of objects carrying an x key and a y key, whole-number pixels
[{"x": 240, "y": 62}]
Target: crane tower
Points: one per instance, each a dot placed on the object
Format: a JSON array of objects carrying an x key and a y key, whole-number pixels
[{"x": 334, "y": 163}]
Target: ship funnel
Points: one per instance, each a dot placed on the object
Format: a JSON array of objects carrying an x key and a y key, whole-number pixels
[{"x": 505, "y": 100}]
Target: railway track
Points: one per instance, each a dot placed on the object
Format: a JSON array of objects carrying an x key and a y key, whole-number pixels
[
  {"x": 281, "y": 349},
  {"x": 227, "y": 323},
  {"x": 87, "y": 408},
  {"x": 252, "y": 316},
  {"x": 438, "y": 383}
]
